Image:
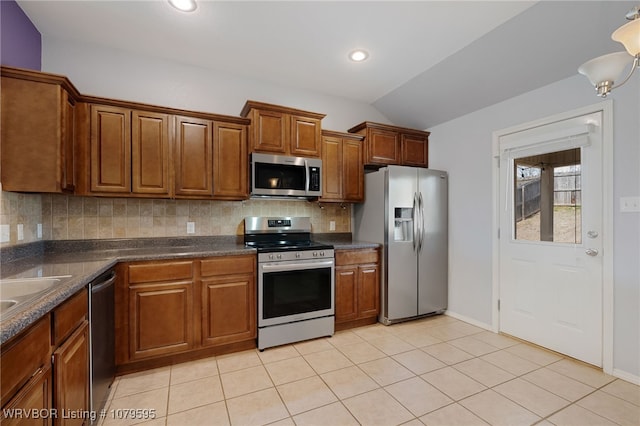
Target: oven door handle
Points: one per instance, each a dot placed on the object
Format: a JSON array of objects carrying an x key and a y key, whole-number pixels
[{"x": 296, "y": 266}]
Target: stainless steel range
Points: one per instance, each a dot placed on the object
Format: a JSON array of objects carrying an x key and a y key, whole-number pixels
[{"x": 296, "y": 288}]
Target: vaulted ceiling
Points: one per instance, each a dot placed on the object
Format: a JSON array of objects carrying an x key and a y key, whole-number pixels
[{"x": 430, "y": 61}]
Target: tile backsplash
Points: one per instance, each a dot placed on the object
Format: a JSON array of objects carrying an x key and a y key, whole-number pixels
[
  {"x": 65, "y": 217},
  {"x": 18, "y": 208}
]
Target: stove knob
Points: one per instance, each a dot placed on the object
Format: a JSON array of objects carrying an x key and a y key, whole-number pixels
[
  {"x": 279, "y": 256},
  {"x": 315, "y": 254},
  {"x": 298, "y": 255},
  {"x": 270, "y": 257},
  {"x": 322, "y": 253}
]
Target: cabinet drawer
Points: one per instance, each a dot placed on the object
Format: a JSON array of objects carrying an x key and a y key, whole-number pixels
[
  {"x": 34, "y": 397},
  {"x": 23, "y": 356},
  {"x": 354, "y": 257},
  {"x": 228, "y": 265},
  {"x": 161, "y": 271},
  {"x": 68, "y": 316}
]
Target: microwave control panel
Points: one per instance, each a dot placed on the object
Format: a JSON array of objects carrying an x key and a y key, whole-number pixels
[{"x": 314, "y": 178}]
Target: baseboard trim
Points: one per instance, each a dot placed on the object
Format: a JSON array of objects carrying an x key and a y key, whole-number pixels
[
  {"x": 469, "y": 320},
  {"x": 632, "y": 378}
]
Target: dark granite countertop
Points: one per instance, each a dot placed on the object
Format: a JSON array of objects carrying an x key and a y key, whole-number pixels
[{"x": 81, "y": 261}]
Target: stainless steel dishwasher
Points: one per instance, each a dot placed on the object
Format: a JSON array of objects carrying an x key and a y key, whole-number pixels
[{"x": 102, "y": 338}]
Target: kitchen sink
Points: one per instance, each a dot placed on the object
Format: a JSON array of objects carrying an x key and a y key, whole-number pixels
[
  {"x": 7, "y": 304},
  {"x": 15, "y": 291},
  {"x": 19, "y": 287}
]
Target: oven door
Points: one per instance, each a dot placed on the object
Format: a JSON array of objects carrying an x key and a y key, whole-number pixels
[{"x": 295, "y": 290}]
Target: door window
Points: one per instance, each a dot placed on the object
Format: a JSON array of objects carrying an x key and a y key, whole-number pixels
[{"x": 548, "y": 197}]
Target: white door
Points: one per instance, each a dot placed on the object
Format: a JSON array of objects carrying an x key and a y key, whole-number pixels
[{"x": 551, "y": 224}]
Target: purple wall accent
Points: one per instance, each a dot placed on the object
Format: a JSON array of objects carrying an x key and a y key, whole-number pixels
[{"x": 21, "y": 42}]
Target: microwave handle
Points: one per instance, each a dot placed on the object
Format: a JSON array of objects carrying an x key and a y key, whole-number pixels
[{"x": 307, "y": 182}]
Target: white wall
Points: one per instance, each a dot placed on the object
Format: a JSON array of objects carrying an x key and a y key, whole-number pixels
[
  {"x": 461, "y": 146},
  {"x": 122, "y": 75},
  {"x": 464, "y": 148}
]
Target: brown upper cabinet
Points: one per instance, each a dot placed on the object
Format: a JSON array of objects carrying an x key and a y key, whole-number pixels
[
  {"x": 281, "y": 130},
  {"x": 392, "y": 145},
  {"x": 342, "y": 160},
  {"x": 230, "y": 161},
  {"x": 194, "y": 157},
  {"x": 150, "y": 152},
  {"x": 38, "y": 131},
  {"x": 211, "y": 159},
  {"x": 55, "y": 139},
  {"x": 131, "y": 151}
]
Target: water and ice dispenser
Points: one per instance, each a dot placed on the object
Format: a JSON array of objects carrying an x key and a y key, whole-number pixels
[{"x": 403, "y": 224}]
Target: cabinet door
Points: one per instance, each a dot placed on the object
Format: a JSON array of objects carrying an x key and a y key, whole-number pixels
[
  {"x": 230, "y": 161},
  {"x": 306, "y": 136},
  {"x": 414, "y": 150},
  {"x": 150, "y": 153},
  {"x": 194, "y": 157},
  {"x": 71, "y": 376},
  {"x": 35, "y": 396},
  {"x": 368, "y": 290},
  {"x": 228, "y": 309},
  {"x": 24, "y": 355},
  {"x": 160, "y": 319},
  {"x": 383, "y": 147},
  {"x": 332, "y": 168},
  {"x": 110, "y": 149},
  {"x": 68, "y": 142},
  {"x": 346, "y": 293},
  {"x": 269, "y": 131},
  {"x": 31, "y": 132},
  {"x": 352, "y": 171}
]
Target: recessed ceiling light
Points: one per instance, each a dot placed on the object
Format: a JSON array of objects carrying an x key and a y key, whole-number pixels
[
  {"x": 184, "y": 5},
  {"x": 358, "y": 55}
]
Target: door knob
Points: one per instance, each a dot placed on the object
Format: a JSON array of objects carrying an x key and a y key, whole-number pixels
[
  {"x": 592, "y": 234},
  {"x": 591, "y": 252}
]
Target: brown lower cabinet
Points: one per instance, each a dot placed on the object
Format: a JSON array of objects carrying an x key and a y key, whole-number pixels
[
  {"x": 35, "y": 397},
  {"x": 161, "y": 312},
  {"x": 71, "y": 378},
  {"x": 173, "y": 310},
  {"x": 25, "y": 369},
  {"x": 228, "y": 300},
  {"x": 357, "y": 287},
  {"x": 37, "y": 392}
]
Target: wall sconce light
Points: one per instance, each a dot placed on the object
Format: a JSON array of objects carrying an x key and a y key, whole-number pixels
[{"x": 604, "y": 70}]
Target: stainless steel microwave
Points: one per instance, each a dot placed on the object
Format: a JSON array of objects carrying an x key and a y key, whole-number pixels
[{"x": 284, "y": 176}]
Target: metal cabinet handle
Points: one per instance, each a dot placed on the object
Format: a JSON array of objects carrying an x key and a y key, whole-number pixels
[{"x": 591, "y": 252}]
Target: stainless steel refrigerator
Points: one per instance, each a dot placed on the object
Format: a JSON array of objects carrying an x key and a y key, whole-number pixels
[{"x": 405, "y": 210}]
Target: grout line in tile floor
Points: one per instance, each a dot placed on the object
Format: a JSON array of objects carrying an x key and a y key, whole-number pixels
[{"x": 437, "y": 370}]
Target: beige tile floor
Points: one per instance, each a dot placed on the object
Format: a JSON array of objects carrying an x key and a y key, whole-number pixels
[{"x": 435, "y": 371}]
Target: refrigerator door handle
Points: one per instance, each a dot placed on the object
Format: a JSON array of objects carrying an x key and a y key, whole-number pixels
[
  {"x": 421, "y": 224},
  {"x": 415, "y": 215}
]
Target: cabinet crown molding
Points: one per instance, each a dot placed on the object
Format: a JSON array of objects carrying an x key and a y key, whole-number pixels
[
  {"x": 41, "y": 77},
  {"x": 390, "y": 127},
  {"x": 337, "y": 134},
  {"x": 249, "y": 105}
]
